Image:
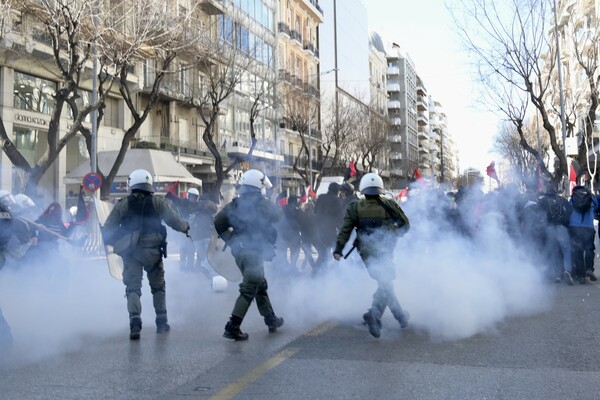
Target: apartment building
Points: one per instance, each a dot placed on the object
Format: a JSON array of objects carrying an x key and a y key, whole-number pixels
[
  {"x": 402, "y": 110},
  {"x": 299, "y": 81}
]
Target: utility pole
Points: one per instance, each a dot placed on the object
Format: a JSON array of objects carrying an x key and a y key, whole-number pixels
[
  {"x": 562, "y": 99},
  {"x": 310, "y": 164}
]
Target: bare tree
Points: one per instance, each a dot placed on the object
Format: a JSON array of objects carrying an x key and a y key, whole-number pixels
[
  {"x": 523, "y": 163},
  {"x": 61, "y": 26},
  {"x": 585, "y": 37},
  {"x": 222, "y": 64},
  {"x": 515, "y": 63},
  {"x": 339, "y": 133},
  {"x": 135, "y": 32},
  {"x": 372, "y": 140}
]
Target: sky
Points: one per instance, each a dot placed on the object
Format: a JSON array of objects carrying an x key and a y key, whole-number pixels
[{"x": 424, "y": 30}]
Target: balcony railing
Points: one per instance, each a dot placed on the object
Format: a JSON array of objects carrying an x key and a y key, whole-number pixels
[{"x": 284, "y": 28}]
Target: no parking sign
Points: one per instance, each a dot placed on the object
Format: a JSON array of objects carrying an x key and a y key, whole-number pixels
[{"x": 92, "y": 181}]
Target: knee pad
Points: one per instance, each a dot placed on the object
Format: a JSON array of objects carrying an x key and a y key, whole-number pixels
[
  {"x": 129, "y": 291},
  {"x": 155, "y": 290}
]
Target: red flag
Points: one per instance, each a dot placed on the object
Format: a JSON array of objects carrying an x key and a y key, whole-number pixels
[
  {"x": 491, "y": 172},
  {"x": 417, "y": 174},
  {"x": 172, "y": 188},
  {"x": 311, "y": 193},
  {"x": 572, "y": 178},
  {"x": 540, "y": 186},
  {"x": 352, "y": 167}
]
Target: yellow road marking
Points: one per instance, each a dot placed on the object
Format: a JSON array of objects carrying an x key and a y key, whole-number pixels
[
  {"x": 235, "y": 388},
  {"x": 322, "y": 328}
]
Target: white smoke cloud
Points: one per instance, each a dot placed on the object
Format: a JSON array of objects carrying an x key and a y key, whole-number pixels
[{"x": 453, "y": 286}]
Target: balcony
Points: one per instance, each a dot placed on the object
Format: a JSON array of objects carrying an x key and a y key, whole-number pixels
[
  {"x": 422, "y": 119},
  {"x": 309, "y": 48},
  {"x": 422, "y": 104},
  {"x": 397, "y": 172},
  {"x": 212, "y": 7},
  {"x": 313, "y": 8},
  {"x": 395, "y": 121},
  {"x": 296, "y": 37},
  {"x": 393, "y": 87},
  {"x": 393, "y": 71},
  {"x": 423, "y": 149},
  {"x": 396, "y": 155},
  {"x": 284, "y": 29},
  {"x": 394, "y": 105},
  {"x": 262, "y": 150},
  {"x": 422, "y": 135},
  {"x": 396, "y": 138},
  {"x": 421, "y": 89}
]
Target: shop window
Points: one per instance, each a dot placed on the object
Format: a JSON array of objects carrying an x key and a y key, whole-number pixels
[{"x": 33, "y": 94}]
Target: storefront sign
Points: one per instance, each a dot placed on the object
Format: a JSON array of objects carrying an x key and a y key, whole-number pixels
[{"x": 31, "y": 119}]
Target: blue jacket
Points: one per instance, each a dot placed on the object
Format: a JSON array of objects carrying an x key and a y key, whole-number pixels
[{"x": 576, "y": 220}]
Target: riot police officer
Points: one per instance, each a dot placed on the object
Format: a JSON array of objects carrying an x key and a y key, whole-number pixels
[
  {"x": 378, "y": 222},
  {"x": 247, "y": 226},
  {"x": 137, "y": 219}
]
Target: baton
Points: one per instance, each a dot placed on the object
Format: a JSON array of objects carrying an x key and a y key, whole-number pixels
[
  {"x": 349, "y": 251},
  {"x": 44, "y": 228}
]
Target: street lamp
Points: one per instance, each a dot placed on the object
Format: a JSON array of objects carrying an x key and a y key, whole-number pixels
[{"x": 310, "y": 173}]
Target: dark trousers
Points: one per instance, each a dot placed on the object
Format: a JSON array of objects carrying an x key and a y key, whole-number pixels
[{"x": 583, "y": 249}]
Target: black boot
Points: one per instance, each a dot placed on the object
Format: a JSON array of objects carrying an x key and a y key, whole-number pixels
[
  {"x": 373, "y": 323},
  {"x": 232, "y": 330},
  {"x": 162, "y": 325},
  {"x": 135, "y": 327},
  {"x": 273, "y": 322}
]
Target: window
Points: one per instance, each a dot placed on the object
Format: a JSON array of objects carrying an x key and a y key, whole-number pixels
[
  {"x": 226, "y": 29},
  {"x": 33, "y": 94},
  {"x": 26, "y": 141},
  {"x": 84, "y": 99},
  {"x": 111, "y": 112}
]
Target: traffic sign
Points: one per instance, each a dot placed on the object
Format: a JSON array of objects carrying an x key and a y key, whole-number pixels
[{"x": 92, "y": 181}]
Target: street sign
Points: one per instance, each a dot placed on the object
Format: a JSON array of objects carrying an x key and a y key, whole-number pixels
[{"x": 92, "y": 181}]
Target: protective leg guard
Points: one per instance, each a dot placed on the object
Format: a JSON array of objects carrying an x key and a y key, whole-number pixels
[{"x": 135, "y": 327}]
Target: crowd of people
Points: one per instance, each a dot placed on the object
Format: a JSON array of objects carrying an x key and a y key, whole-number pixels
[
  {"x": 556, "y": 233},
  {"x": 30, "y": 236}
]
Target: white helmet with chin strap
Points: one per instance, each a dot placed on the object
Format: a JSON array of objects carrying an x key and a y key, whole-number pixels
[
  {"x": 254, "y": 178},
  {"x": 371, "y": 184},
  {"x": 24, "y": 201},
  {"x": 140, "y": 179}
]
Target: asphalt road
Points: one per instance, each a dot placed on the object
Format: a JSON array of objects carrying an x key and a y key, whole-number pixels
[{"x": 71, "y": 342}]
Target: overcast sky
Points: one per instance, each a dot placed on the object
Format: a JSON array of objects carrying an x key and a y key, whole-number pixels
[{"x": 424, "y": 30}]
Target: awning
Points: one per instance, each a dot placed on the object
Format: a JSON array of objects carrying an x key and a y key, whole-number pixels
[{"x": 161, "y": 164}]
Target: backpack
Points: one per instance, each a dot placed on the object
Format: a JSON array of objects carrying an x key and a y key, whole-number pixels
[
  {"x": 556, "y": 212},
  {"x": 581, "y": 199}
]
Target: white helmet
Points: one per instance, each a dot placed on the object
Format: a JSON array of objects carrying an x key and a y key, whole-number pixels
[
  {"x": 73, "y": 211},
  {"x": 193, "y": 191},
  {"x": 140, "y": 179},
  {"x": 6, "y": 198},
  {"x": 257, "y": 179},
  {"x": 371, "y": 184},
  {"x": 24, "y": 201}
]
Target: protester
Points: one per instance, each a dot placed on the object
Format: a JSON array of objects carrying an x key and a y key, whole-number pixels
[
  {"x": 558, "y": 242},
  {"x": 246, "y": 224},
  {"x": 329, "y": 211},
  {"x": 137, "y": 221},
  {"x": 582, "y": 232},
  {"x": 378, "y": 223}
]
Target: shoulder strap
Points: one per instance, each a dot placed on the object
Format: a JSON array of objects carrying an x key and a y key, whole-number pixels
[{"x": 389, "y": 211}]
